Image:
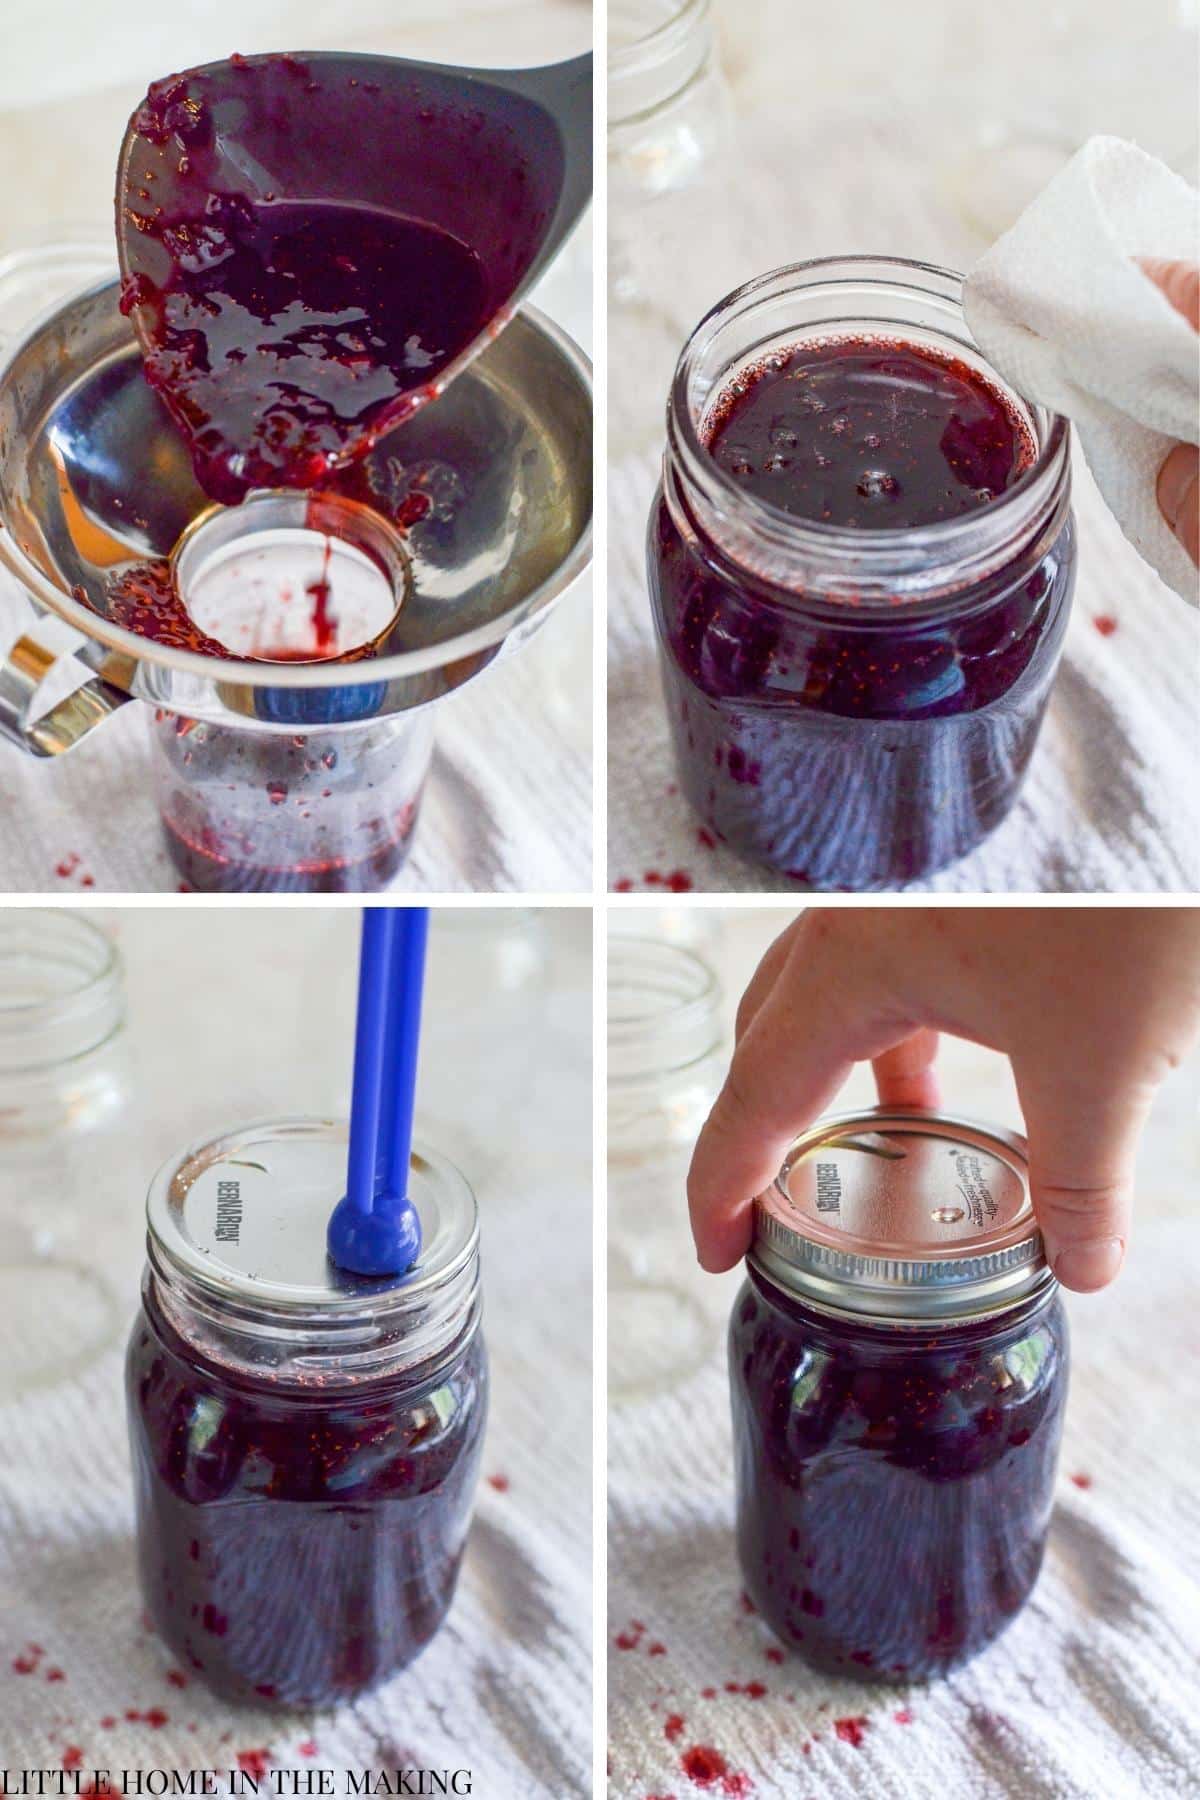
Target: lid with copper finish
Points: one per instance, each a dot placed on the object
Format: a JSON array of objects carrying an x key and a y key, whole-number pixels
[{"x": 903, "y": 1214}]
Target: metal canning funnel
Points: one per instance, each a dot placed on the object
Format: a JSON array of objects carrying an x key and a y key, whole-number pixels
[{"x": 94, "y": 477}]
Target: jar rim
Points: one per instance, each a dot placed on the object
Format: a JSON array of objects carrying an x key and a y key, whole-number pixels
[
  {"x": 662, "y": 52},
  {"x": 59, "y": 1028},
  {"x": 680, "y": 1025},
  {"x": 91, "y": 933},
  {"x": 891, "y": 562},
  {"x": 660, "y": 36}
]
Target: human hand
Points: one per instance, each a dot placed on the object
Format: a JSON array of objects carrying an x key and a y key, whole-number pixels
[
  {"x": 1179, "y": 476},
  {"x": 1092, "y": 1006}
]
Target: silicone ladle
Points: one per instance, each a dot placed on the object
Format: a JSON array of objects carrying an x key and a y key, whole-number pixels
[
  {"x": 374, "y": 1229},
  {"x": 498, "y": 161}
]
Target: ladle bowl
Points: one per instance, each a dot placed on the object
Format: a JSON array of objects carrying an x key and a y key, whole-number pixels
[{"x": 496, "y": 162}]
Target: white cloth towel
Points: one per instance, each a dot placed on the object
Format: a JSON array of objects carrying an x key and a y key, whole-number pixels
[{"x": 1061, "y": 307}]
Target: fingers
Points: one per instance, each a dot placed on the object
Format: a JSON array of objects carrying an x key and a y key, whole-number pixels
[
  {"x": 1179, "y": 282},
  {"x": 1179, "y": 496},
  {"x": 763, "y": 978},
  {"x": 819, "y": 1018},
  {"x": 905, "y": 1075},
  {"x": 1179, "y": 477},
  {"x": 1082, "y": 1147}
]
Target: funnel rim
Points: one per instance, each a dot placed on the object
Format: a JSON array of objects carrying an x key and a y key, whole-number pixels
[{"x": 262, "y": 675}]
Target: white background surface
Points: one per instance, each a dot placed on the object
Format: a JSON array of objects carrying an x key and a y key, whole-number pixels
[
  {"x": 237, "y": 1015},
  {"x": 509, "y": 802},
  {"x": 1094, "y": 1692},
  {"x": 921, "y": 133}
]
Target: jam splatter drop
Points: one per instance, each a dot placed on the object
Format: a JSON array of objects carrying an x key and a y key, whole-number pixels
[
  {"x": 1082, "y": 1481},
  {"x": 253, "y": 1762},
  {"x": 851, "y": 1730},
  {"x": 673, "y": 1727},
  {"x": 703, "y": 1765},
  {"x": 501, "y": 1483},
  {"x": 1105, "y": 624}
]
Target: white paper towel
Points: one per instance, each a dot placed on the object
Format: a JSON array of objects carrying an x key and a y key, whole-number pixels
[{"x": 1061, "y": 307}]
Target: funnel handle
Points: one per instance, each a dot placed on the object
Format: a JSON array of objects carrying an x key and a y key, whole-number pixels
[{"x": 22, "y": 673}]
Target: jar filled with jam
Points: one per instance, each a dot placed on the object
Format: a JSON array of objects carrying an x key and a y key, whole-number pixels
[
  {"x": 861, "y": 560},
  {"x": 898, "y": 1362},
  {"x": 305, "y": 1442}
]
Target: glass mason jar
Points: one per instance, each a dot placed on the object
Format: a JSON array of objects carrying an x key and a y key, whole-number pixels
[
  {"x": 64, "y": 1090},
  {"x": 62, "y": 1020},
  {"x": 898, "y": 1363},
  {"x": 855, "y": 708},
  {"x": 331, "y": 810},
  {"x": 670, "y": 174},
  {"x": 665, "y": 1066},
  {"x": 666, "y": 1048},
  {"x": 305, "y": 1442}
]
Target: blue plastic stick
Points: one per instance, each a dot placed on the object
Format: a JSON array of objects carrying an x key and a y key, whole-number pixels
[{"x": 375, "y": 1229}]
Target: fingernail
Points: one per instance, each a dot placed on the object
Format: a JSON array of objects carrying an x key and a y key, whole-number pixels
[
  {"x": 1086, "y": 1267},
  {"x": 1175, "y": 478}
]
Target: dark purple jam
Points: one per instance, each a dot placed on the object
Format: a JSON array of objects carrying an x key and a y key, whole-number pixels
[
  {"x": 869, "y": 434},
  {"x": 858, "y": 744},
  {"x": 289, "y": 334},
  {"x": 894, "y": 1484},
  {"x": 306, "y": 253},
  {"x": 317, "y": 812},
  {"x": 297, "y": 1548}
]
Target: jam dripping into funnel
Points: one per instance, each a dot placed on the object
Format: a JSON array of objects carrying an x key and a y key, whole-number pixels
[{"x": 324, "y": 621}]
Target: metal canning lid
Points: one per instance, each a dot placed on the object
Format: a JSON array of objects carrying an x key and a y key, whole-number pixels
[
  {"x": 242, "y": 1219},
  {"x": 902, "y": 1214}
]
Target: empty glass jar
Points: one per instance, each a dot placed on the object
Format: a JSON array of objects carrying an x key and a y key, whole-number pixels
[
  {"x": 64, "y": 1090},
  {"x": 666, "y": 1060}
]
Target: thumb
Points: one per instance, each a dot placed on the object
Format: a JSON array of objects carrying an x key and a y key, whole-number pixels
[
  {"x": 825, "y": 1012},
  {"x": 1082, "y": 1148}
]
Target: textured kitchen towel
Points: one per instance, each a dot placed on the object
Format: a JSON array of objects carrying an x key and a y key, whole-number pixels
[
  {"x": 1093, "y": 1691},
  {"x": 1062, "y": 309},
  {"x": 1111, "y": 803}
]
